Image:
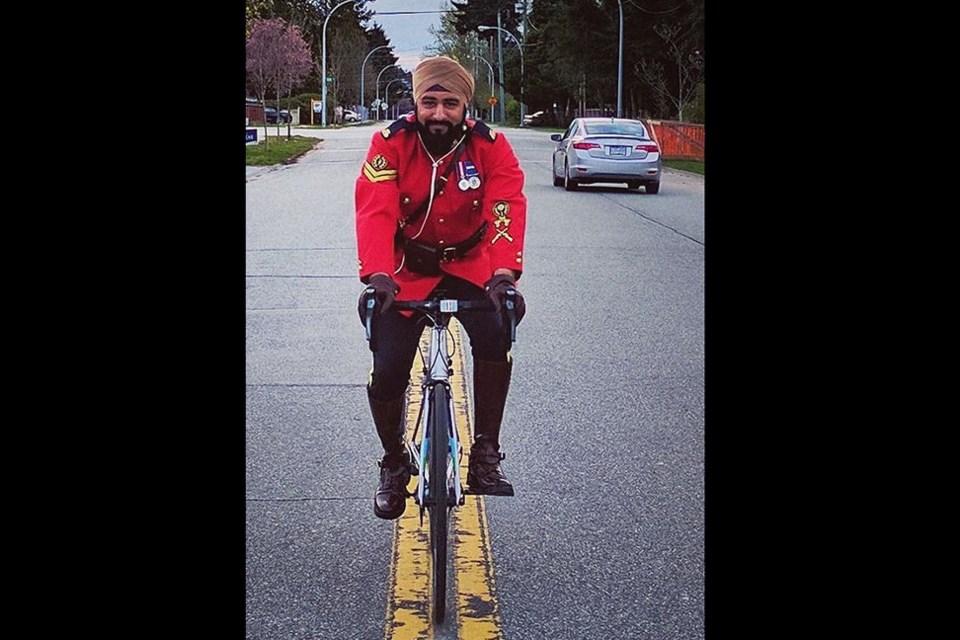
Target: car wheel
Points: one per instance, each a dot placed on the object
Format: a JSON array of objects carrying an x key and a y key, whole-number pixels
[
  {"x": 557, "y": 182},
  {"x": 568, "y": 183},
  {"x": 633, "y": 184},
  {"x": 653, "y": 187}
]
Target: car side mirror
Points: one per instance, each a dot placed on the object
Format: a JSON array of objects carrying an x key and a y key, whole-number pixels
[{"x": 555, "y": 137}]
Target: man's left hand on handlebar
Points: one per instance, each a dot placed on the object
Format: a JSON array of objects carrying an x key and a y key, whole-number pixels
[
  {"x": 497, "y": 287},
  {"x": 385, "y": 291}
]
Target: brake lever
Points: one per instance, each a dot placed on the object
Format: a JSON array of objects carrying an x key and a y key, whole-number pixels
[
  {"x": 512, "y": 313},
  {"x": 368, "y": 321}
]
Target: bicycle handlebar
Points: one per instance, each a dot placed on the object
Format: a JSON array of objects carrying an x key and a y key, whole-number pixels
[{"x": 444, "y": 306}]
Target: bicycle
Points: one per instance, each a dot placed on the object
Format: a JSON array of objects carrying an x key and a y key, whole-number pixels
[{"x": 437, "y": 453}]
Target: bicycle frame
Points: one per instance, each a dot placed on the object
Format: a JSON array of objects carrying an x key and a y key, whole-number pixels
[
  {"x": 438, "y": 372},
  {"x": 434, "y": 494}
]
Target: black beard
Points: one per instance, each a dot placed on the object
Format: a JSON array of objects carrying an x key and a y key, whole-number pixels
[{"x": 440, "y": 143}]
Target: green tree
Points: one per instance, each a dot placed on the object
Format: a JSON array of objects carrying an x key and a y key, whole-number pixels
[
  {"x": 379, "y": 58},
  {"x": 468, "y": 50},
  {"x": 465, "y": 19},
  {"x": 572, "y": 52},
  {"x": 570, "y": 46},
  {"x": 257, "y": 9},
  {"x": 642, "y": 42},
  {"x": 688, "y": 67},
  {"x": 470, "y": 14}
]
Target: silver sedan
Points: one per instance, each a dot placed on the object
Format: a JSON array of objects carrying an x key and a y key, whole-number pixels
[{"x": 606, "y": 150}]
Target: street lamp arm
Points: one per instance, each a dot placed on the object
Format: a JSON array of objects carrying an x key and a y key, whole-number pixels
[
  {"x": 380, "y": 74},
  {"x": 386, "y": 89},
  {"x": 486, "y": 62},
  {"x": 512, "y": 37},
  {"x": 520, "y": 47},
  {"x": 323, "y": 76},
  {"x": 363, "y": 96},
  {"x": 384, "y": 69},
  {"x": 383, "y": 46}
]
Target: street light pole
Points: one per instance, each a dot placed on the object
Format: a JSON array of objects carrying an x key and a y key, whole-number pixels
[
  {"x": 523, "y": 105},
  {"x": 489, "y": 76},
  {"x": 323, "y": 79},
  {"x": 377, "y": 85},
  {"x": 620, "y": 66},
  {"x": 520, "y": 47},
  {"x": 363, "y": 98},
  {"x": 386, "y": 90},
  {"x": 503, "y": 98}
]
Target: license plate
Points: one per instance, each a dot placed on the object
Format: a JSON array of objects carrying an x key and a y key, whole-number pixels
[{"x": 618, "y": 151}]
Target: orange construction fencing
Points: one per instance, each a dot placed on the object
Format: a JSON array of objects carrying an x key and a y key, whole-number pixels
[{"x": 678, "y": 140}]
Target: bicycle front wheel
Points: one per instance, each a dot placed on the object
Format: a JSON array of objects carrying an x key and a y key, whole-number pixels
[{"x": 439, "y": 426}]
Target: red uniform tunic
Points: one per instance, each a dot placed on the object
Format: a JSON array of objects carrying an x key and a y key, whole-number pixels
[{"x": 396, "y": 178}]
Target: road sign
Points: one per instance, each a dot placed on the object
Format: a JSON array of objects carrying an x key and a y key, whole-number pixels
[{"x": 491, "y": 101}]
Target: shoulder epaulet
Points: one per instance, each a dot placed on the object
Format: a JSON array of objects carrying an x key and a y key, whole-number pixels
[
  {"x": 397, "y": 126},
  {"x": 485, "y": 132}
]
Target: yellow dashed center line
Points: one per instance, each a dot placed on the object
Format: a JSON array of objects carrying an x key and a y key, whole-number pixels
[{"x": 477, "y": 614}]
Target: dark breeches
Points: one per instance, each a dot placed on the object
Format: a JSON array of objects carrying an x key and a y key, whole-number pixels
[{"x": 398, "y": 338}]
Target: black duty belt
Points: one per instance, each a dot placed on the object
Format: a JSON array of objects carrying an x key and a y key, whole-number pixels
[{"x": 450, "y": 252}]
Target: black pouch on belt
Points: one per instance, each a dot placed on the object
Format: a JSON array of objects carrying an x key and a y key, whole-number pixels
[
  {"x": 425, "y": 259},
  {"x": 420, "y": 258}
]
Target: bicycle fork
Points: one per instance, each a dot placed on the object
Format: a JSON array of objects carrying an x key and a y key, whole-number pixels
[{"x": 438, "y": 372}]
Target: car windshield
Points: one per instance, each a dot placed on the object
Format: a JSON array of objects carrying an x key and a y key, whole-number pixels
[{"x": 615, "y": 128}]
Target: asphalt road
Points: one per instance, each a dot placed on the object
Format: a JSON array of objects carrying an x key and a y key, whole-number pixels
[{"x": 604, "y": 427}]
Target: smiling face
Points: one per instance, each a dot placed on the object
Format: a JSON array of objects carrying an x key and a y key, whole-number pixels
[{"x": 439, "y": 112}]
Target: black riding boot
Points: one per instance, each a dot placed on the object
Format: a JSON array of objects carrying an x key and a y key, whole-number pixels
[
  {"x": 491, "y": 381},
  {"x": 391, "y": 498}
]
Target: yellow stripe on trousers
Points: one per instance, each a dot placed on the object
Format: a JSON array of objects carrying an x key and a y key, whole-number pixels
[{"x": 477, "y": 614}]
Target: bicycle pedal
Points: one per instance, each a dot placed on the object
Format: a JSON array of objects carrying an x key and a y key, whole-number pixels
[{"x": 492, "y": 491}]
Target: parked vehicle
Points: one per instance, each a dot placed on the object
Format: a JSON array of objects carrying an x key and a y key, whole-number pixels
[
  {"x": 536, "y": 119},
  {"x": 606, "y": 150},
  {"x": 270, "y": 114},
  {"x": 350, "y": 116}
]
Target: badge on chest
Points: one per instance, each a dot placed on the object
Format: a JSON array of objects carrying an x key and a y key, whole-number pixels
[{"x": 469, "y": 177}]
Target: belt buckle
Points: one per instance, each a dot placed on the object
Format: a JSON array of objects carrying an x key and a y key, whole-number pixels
[{"x": 448, "y": 254}]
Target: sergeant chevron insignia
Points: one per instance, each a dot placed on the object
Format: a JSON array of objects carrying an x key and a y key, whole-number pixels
[{"x": 376, "y": 169}]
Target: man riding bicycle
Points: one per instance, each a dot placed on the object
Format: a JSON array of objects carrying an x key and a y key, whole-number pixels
[{"x": 439, "y": 205}]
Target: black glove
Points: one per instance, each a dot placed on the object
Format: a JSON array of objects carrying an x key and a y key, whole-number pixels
[
  {"x": 384, "y": 290},
  {"x": 497, "y": 287}
]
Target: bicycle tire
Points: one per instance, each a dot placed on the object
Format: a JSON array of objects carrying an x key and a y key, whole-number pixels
[{"x": 439, "y": 504}]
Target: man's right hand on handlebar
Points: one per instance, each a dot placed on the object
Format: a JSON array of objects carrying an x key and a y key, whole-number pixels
[
  {"x": 384, "y": 290},
  {"x": 497, "y": 288}
]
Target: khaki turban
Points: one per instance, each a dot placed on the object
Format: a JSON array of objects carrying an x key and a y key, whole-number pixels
[{"x": 446, "y": 73}]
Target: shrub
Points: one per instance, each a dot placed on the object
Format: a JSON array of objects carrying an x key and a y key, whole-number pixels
[{"x": 694, "y": 110}]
